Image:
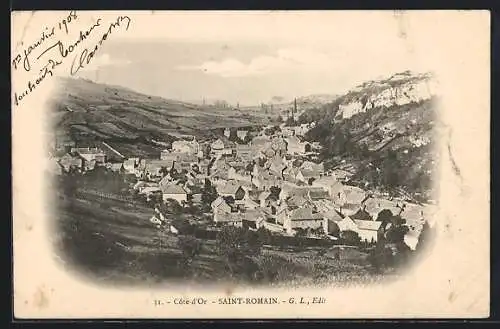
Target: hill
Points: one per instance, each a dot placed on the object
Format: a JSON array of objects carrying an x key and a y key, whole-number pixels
[
  {"x": 85, "y": 112},
  {"x": 385, "y": 132}
]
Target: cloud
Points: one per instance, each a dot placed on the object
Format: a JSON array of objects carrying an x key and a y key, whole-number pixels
[
  {"x": 103, "y": 61},
  {"x": 354, "y": 63},
  {"x": 284, "y": 60}
]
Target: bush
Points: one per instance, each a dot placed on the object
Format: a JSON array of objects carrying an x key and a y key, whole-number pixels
[
  {"x": 234, "y": 242},
  {"x": 350, "y": 238},
  {"x": 190, "y": 246}
]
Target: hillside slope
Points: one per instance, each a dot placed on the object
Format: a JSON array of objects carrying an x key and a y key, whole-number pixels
[
  {"x": 385, "y": 131},
  {"x": 85, "y": 111}
]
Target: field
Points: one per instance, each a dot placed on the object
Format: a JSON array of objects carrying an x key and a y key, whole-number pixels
[
  {"x": 113, "y": 242},
  {"x": 84, "y": 111}
]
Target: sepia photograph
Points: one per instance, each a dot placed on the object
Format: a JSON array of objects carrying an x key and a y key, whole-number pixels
[{"x": 239, "y": 156}]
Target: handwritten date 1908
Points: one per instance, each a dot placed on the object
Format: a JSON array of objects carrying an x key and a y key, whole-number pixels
[{"x": 63, "y": 24}]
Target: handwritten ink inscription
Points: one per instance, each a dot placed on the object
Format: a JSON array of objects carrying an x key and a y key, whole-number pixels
[{"x": 57, "y": 51}]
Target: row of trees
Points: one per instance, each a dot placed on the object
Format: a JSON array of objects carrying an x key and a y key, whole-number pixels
[{"x": 391, "y": 251}]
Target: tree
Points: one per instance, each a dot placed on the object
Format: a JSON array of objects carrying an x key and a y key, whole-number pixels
[
  {"x": 350, "y": 237},
  {"x": 164, "y": 171},
  {"x": 173, "y": 206},
  {"x": 290, "y": 122},
  {"x": 236, "y": 244},
  {"x": 190, "y": 247},
  {"x": 384, "y": 216},
  {"x": 247, "y": 139},
  {"x": 390, "y": 250},
  {"x": 264, "y": 235},
  {"x": 208, "y": 193}
]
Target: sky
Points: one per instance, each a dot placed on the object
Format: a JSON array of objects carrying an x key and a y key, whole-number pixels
[{"x": 251, "y": 57}]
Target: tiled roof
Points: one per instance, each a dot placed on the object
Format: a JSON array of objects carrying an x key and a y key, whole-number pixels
[
  {"x": 369, "y": 225},
  {"x": 304, "y": 214},
  {"x": 231, "y": 187},
  {"x": 230, "y": 217},
  {"x": 172, "y": 189}
]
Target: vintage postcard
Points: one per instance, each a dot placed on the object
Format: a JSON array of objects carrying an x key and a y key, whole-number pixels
[{"x": 262, "y": 165}]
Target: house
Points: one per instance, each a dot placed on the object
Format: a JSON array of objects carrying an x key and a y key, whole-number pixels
[
  {"x": 130, "y": 165},
  {"x": 361, "y": 214},
  {"x": 203, "y": 166},
  {"x": 290, "y": 174},
  {"x": 220, "y": 205},
  {"x": 277, "y": 166},
  {"x": 173, "y": 191},
  {"x": 231, "y": 189},
  {"x": 241, "y": 134},
  {"x": 89, "y": 165},
  {"x": 367, "y": 229},
  {"x": 332, "y": 215},
  {"x": 296, "y": 146},
  {"x": 375, "y": 205},
  {"x": 342, "y": 175},
  {"x": 155, "y": 220},
  {"x": 313, "y": 166},
  {"x": 260, "y": 142},
  {"x": 63, "y": 144},
  {"x": 329, "y": 184},
  {"x": 165, "y": 181},
  {"x": 307, "y": 176},
  {"x": 90, "y": 153},
  {"x": 232, "y": 218},
  {"x": 316, "y": 194},
  {"x": 298, "y": 201},
  {"x": 183, "y": 146},
  {"x": 331, "y": 219},
  {"x": 287, "y": 189},
  {"x": 253, "y": 219},
  {"x": 249, "y": 204},
  {"x": 349, "y": 199},
  {"x": 264, "y": 198},
  {"x": 244, "y": 152},
  {"x": 152, "y": 169},
  {"x": 168, "y": 155},
  {"x": 347, "y": 224},
  {"x": 303, "y": 218},
  {"x": 302, "y": 129},
  {"x": 287, "y": 131},
  {"x": 279, "y": 146},
  {"x": 219, "y": 147},
  {"x": 264, "y": 181},
  {"x": 116, "y": 167},
  {"x": 70, "y": 162},
  {"x": 148, "y": 191},
  {"x": 185, "y": 162},
  {"x": 240, "y": 174},
  {"x": 324, "y": 205},
  {"x": 412, "y": 213}
]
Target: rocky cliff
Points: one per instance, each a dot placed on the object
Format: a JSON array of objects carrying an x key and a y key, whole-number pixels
[
  {"x": 399, "y": 89},
  {"x": 385, "y": 130}
]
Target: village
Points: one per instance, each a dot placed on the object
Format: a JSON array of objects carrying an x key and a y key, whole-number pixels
[{"x": 268, "y": 178}]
